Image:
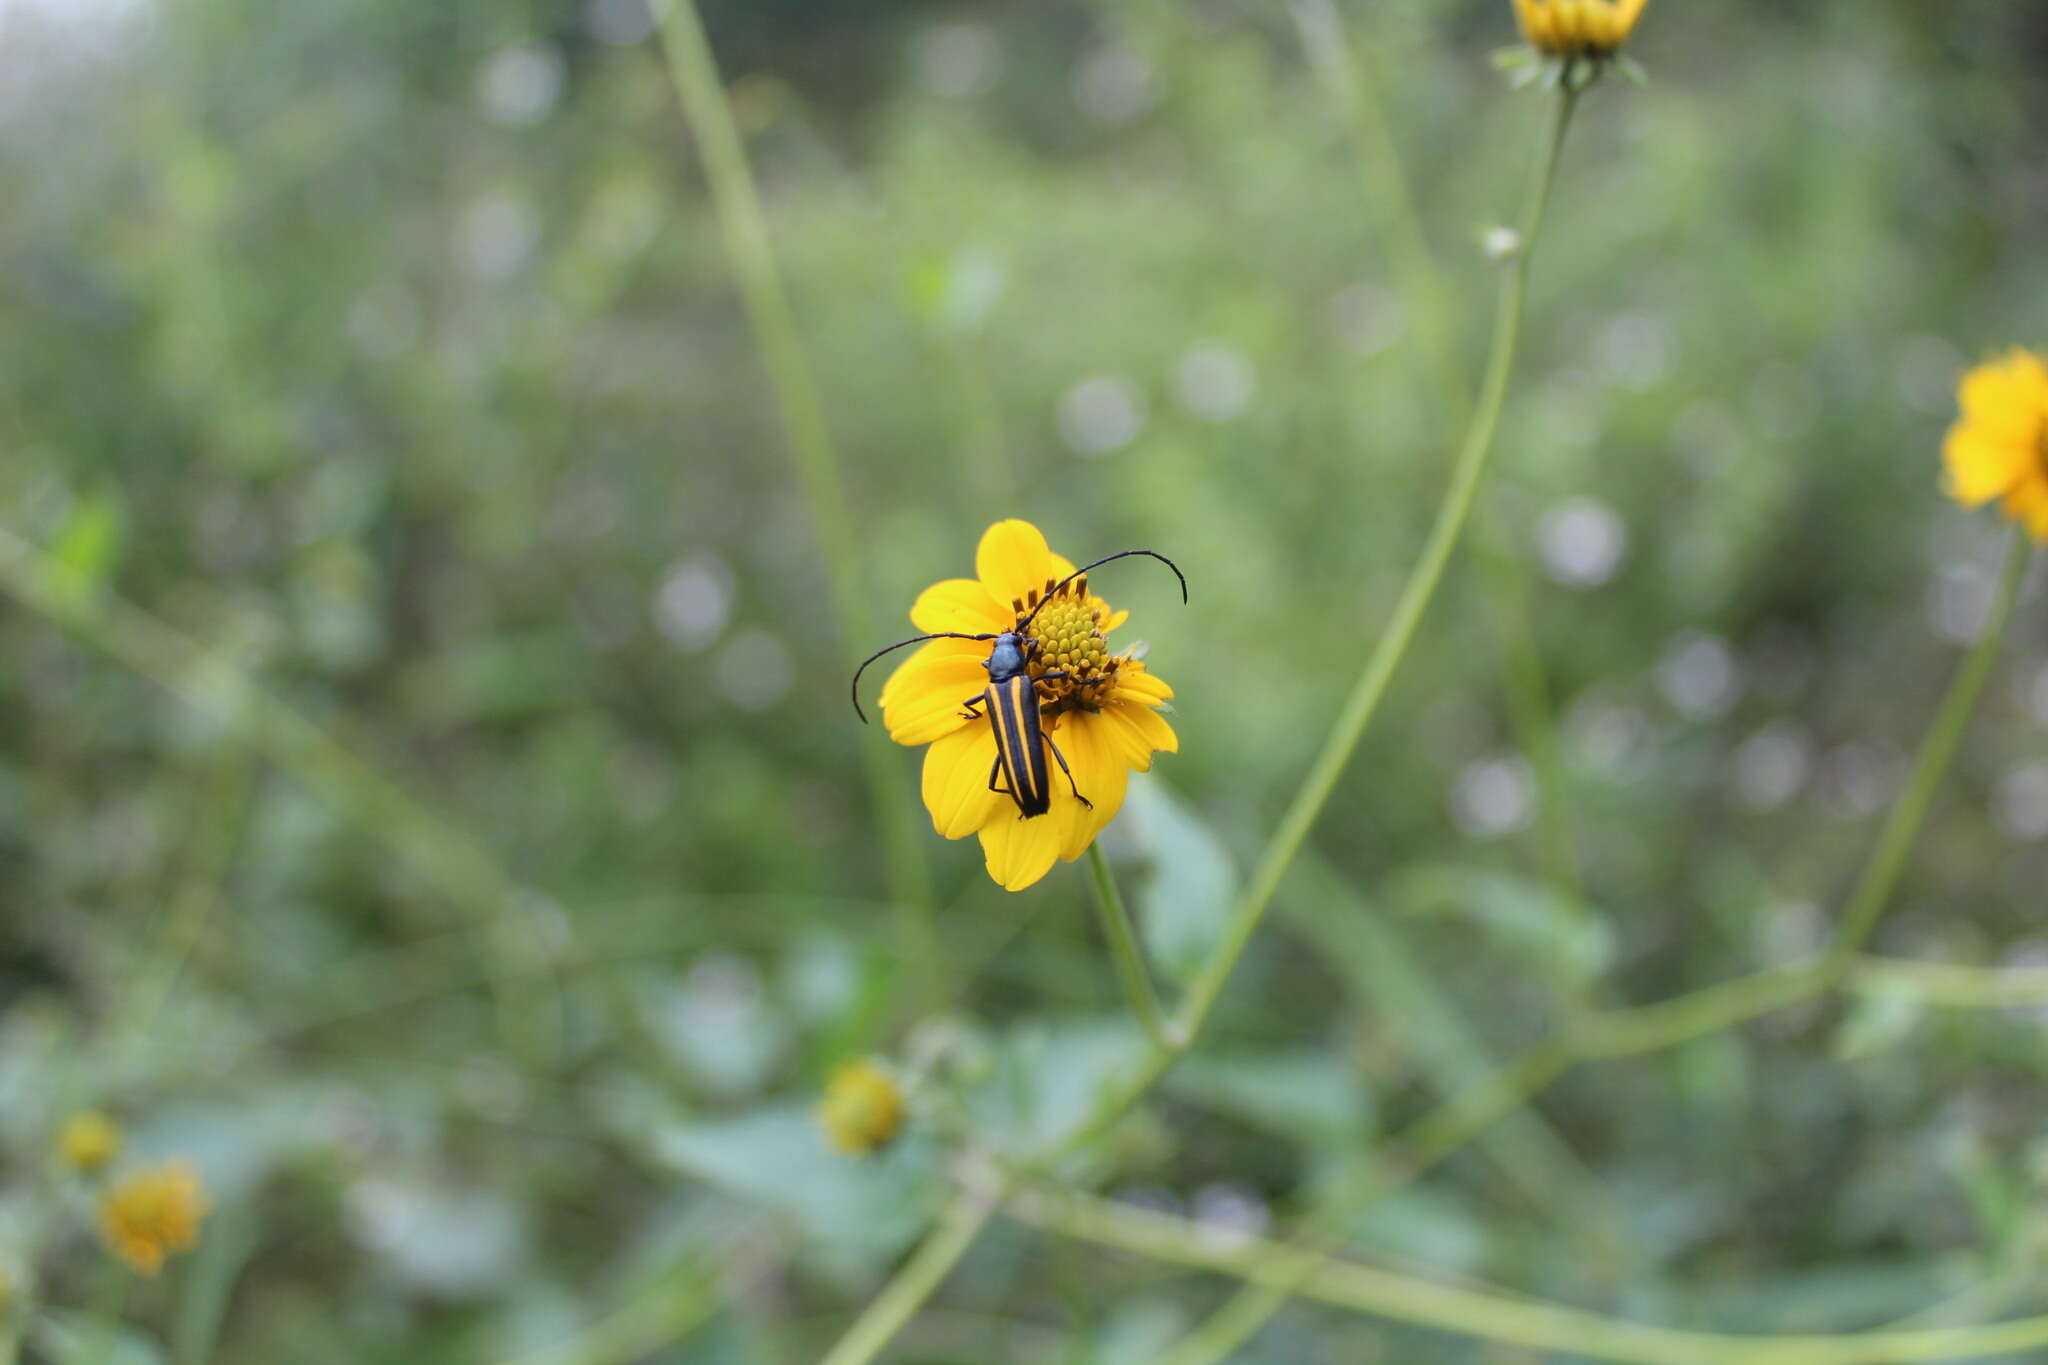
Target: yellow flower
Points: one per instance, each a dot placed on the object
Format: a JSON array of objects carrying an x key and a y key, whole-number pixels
[
  {"x": 862, "y": 1108},
  {"x": 1103, "y": 730},
  {"x": 150, "y": 1213},
  {"x": 1594, "y": 29},
  {"x": 1998, "y": 448},
  {"x": 88, "y": 1141}
]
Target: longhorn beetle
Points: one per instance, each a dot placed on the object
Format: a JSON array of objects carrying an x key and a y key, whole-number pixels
[{"x": 1011, "y": 698}]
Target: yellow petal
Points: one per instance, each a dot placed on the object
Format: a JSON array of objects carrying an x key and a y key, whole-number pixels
[
  {"x": 2006, "y": 398},
  {"x": 956, "y": 772},
  {"x": 2027, "y": 504},
  {"x": 1018, "y": 851},
  {"x": 1149, "y": 688},
  {"x": 1134, "y": 732},
  {"x": 1982, "y": 467},
  {"x": 1626, "y": 14},
  {"x": 925, "y": 698},
  {"x": 960, "y": 604},
  {"x": 1013, "y": 559},
  {"x": 1099, "y": 773}
]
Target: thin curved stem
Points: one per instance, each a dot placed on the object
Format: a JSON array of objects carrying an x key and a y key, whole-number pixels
[
  {"x": 1510, "y": 1320},
  {"x": 900, "y": 1299},
  {"x": 1881, "y": 874},
  {"x": 1647, "y": 1028},
  {"x": 1124, "y": 950},
  {"x": 1416, "y": 596},
  {"x": 695, "y": 73},
  {"x": 1350, "y": 77}
]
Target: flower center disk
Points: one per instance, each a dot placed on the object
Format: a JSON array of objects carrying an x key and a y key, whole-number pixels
[{"x": 1068, "y": 631}]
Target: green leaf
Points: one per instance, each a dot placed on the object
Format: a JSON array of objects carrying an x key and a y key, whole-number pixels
[
  {"x": 67, "y": 1338},
  {"x": 1302, "y": 1094},
  {"x": 1047, "y": 1079},
  {"x": 1877, "y": 1023},
  {"x": 1185, "y": 896},
  {"x": 858, "y": 1211},
  {"x": 1529, "y": 921}
]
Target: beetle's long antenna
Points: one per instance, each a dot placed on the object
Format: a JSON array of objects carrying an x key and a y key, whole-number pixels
[
  {"x": 915, "y": 639},
  {"x": 1025, "y": 624}
]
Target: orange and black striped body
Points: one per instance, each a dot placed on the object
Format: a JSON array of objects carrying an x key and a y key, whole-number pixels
[{"x": 1012, "y": 706}]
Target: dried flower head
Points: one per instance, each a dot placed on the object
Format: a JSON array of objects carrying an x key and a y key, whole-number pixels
[
  {"x": 88, "y": 1140},
  {"x": 1998, "y": 448},
  {"x": 862, "y": 1109},
  {"x": 151, "y": 1213}
]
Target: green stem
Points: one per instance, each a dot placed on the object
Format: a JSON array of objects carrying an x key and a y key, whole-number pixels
[
  {"x": 695, "y": 73},
  {"x": 1415, "y": 598},
  {"x": 1881, "y": 874},
  {"x": 1209, "y": 981},
  {"x": 1667, "y": 1023},
  {"x": 1511, "y": 1320},
  {"x": 919, "y": 1278},
  {"x": 1124, "y": 950},
  {"x": 1352, "y": 82}
]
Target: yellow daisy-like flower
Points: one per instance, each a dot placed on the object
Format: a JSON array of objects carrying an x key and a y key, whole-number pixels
[
  {"x": 1998, "y": 448},
  {"x": 88, "y": 1141},
  {"x": 153, "y": 1212},
  {"x": 1102, "y": 715},
  {"x": 1594, "y": 29},
  {"x": 862, "y": 1109}
]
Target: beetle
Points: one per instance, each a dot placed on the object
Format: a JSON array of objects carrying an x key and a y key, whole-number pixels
[{"x": 1011, "y": 698}]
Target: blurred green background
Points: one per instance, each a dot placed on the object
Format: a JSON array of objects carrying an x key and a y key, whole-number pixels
[{"x": 484, "y": 900}]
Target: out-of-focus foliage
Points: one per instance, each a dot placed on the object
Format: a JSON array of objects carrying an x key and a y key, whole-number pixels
[{"x": 389, "y": 351}]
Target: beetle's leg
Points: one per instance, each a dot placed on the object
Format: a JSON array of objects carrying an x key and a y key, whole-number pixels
[
  {"x": 1069, "y": 772},
  {"x": 977, "y": 699},
  {"x": 1047, "y": 677}
]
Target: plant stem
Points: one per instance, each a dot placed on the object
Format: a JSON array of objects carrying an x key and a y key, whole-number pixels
[
  {"x": 1415, "y": 598},
  {"x": 919, "y": 1277},
  {"x": 695, "y": 73},
  {"x": 1647, "y": 1028},
  {"x": 1881, "y": 874},
  {"x": 1511, "y": 1320},
  {"x": 1124, "y": 950},
  {"x": 1352, "y": 82}
]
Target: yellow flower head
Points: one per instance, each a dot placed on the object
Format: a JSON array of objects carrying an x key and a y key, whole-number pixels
[
  {"x": 150, "y": 1213},
  {"x": 1998, "y": 448},
  {"x": 862, "y": 1108},
  {"x": 1101, "y": 718},
  {"x": 1593, "y": 29},
  {"x": 88, "y": 1141}
]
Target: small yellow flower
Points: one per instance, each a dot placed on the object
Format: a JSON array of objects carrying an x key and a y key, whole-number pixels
[
  {"x": 153, "y": 1212},
  {"x": 1998, "y": 448},
  {"x": 1103, "y": 730},
  {"x": 862, "y": 1108},
  {"x": 88, "y": 1140},
  {"x": 1593, "y": 29}
]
